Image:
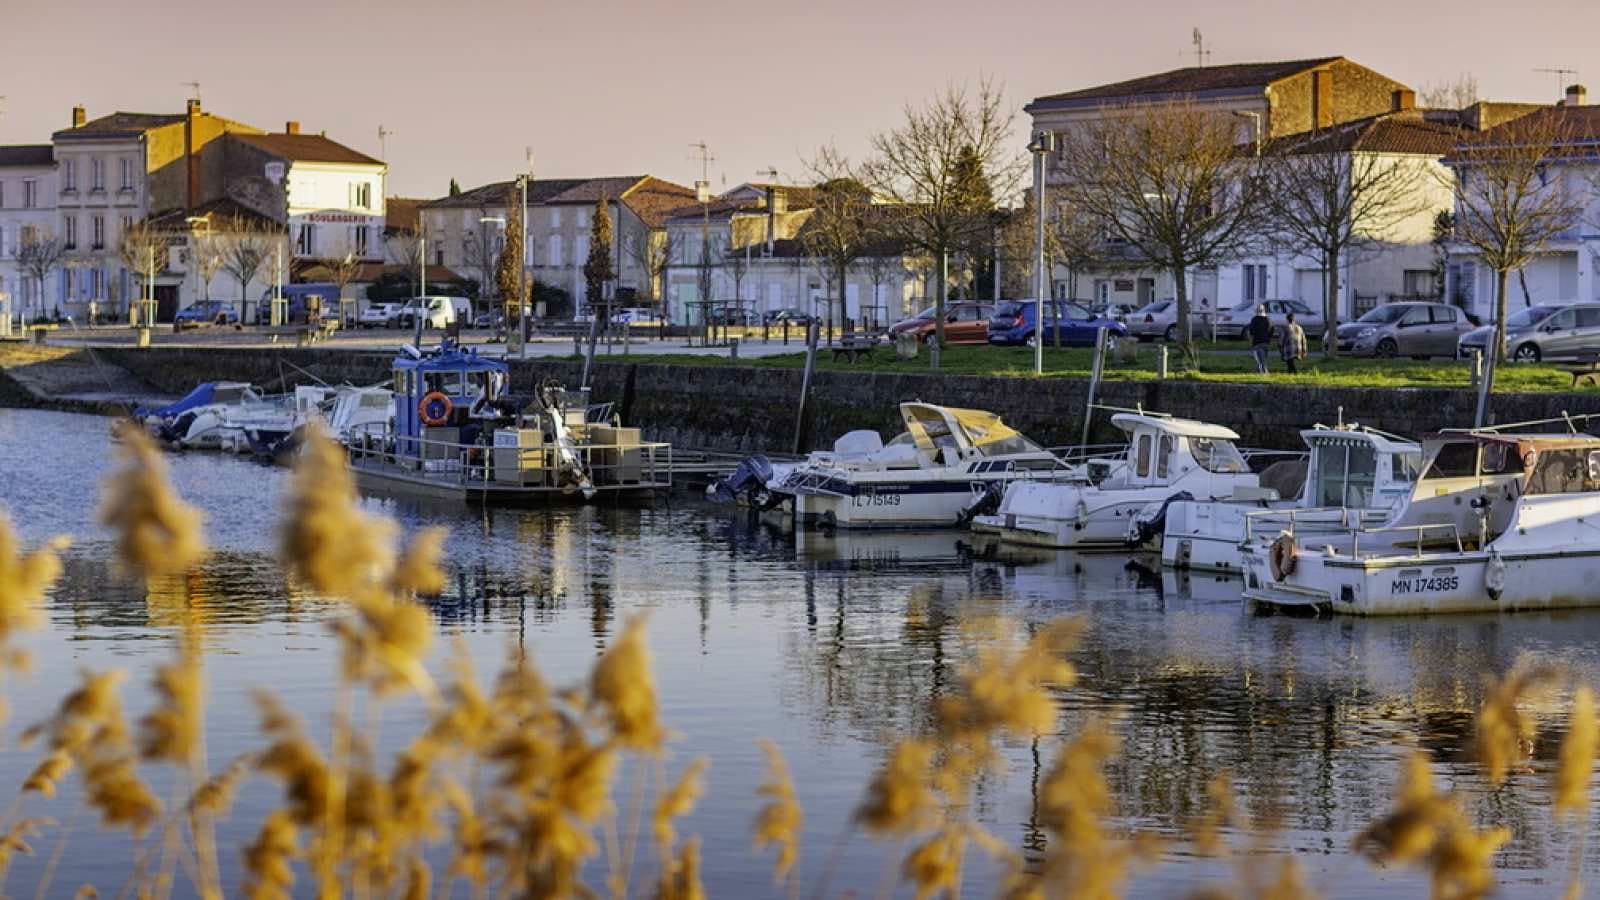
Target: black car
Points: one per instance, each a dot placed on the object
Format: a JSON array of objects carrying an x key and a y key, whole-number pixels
[
  {"x": 731, "y": 315},
  {"x": 790, "y": 316}
]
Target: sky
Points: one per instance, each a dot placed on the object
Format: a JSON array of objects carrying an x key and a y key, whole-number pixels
[{"x": 610, "y": 87}]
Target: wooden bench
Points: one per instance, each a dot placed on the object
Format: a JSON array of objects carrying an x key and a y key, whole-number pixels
[
  {"x": 1584, "y": 368},
  {"x": 854, "y": 345}
]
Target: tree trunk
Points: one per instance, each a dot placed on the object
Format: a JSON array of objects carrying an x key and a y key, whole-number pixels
[
  {"x": 1500, "y": 315},
  {"x": 1330, "y": 305},
  {"x": 844, "y": 313},
  {"x": 939, "y": 296},
  {"x": 244, "y": 296},
  {"x": 1186, "y": 347}
]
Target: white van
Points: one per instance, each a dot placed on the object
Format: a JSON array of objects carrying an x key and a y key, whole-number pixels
[{"x": 436, "y": 312}]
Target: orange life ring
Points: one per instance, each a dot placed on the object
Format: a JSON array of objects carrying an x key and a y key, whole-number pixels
[
  {"x": 429, "y": 399},
  {"x": 1283, "y": 556}
]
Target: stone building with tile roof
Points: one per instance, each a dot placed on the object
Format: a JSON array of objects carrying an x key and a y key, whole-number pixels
[{"x": 464, "y": 230}]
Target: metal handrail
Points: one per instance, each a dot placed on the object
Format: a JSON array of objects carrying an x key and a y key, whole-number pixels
[
  {"x": 386, "y": 451},
  {"x": 1355, "y": 541}
]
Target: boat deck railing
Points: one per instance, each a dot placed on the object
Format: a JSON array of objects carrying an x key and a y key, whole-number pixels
[
  {"x": 1350, "y": 518},
  {"x": 1403, "y": 540},
  {"x": 626, "y": 465}
]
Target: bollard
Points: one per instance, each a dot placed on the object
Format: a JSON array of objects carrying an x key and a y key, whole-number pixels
[
  {"x": 933, "y": 355},
  {"x": 143, "y": 337},
  {"x": 1475, "y": 368},
  {"x": 733, "y": 348},
  {"x": 1161, "y": 364},
  {"x": 577, "y": 345}
]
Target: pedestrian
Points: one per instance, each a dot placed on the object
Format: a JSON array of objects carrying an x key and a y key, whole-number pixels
[
  {"x": 1260, "y": 331},
  {"x": 1292, "y": 344}
]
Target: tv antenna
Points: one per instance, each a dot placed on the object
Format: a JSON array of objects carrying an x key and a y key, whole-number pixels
[
  {"x": 706, "y": 159},
  {"x": 770, "y": 173},
  {"x": 1200, "y": 51},
  {"x": 383, "y": 143},
  {"x": 194, "y": 89},
  {"x": 1561, "y": 77}
]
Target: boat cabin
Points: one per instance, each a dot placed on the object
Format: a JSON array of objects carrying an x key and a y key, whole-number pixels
[
  {"x": 1357, "y": 468},
  {"x": 442, "y": 396},
  {"x": 1472, "y": 481},
  {"x": 952, "y": 436},
  {"x": 1163, "y": 450}
]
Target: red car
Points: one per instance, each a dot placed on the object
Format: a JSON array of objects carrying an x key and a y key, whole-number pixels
[{"x": 964, "y": 323}]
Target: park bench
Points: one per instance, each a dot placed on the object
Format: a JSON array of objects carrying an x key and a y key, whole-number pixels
[
  {"x": 854, "y": 345},
  {"x": 1584, "y": 368}
]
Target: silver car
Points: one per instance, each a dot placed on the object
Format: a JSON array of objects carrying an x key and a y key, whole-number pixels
[
  {"x": 1236, "y": 322},
  {"x": 1543, "y": 332},
  {"x": 1154, "y": 320},
  {"x": 1418, "y": 330}
]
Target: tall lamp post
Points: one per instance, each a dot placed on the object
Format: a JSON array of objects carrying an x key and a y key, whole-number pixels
[
  {"x": 1043, "y": 143},
  {"x": 524, "y": 325}
]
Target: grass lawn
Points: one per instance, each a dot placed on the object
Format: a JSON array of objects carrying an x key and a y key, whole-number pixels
[{"x": 1215, "y": 365}]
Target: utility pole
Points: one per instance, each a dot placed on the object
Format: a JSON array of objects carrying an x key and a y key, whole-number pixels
[
  {"x": 523, "y": 323},
  {"x": 1200, "y": 51},
  {"x": 702, "y": 189}
]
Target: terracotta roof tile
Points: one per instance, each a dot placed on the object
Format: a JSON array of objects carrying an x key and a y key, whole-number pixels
[
  {"x": 1192, "y": 80},
  {"x": 307, "y": 148},
  {"x": 1396, "y": 133},
  {"x": 119, "y": 124},
  {"x": 27, "y": 155}
]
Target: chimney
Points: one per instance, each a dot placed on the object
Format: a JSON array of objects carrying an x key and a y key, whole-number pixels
[
  {"x": 192, "y": 106},
  {"x": 1322, "y": 98},
  {"x": 1577, "y": 95},
  {"x": 79, "y": 116},
  {"x": 780, "y": 201},
  {"x": 1402, "y": 100},
  {"x": 291, "y": 127}
]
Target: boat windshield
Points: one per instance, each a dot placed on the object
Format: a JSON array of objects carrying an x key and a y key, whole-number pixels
[
  {"x": 1217, "y": 455},
  {"x": 1016, "y": 443},
  {"x": 1405, "y": 467},
  {"x": 1346, "y": 475},
  {"x": 1574, "y": 470},
  {"x": 451, "y": 384}
]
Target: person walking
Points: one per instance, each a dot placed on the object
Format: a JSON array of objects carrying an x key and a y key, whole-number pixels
[
  {"x": 1292, "y": 343},
  {"x": 1260, "y": 331}
]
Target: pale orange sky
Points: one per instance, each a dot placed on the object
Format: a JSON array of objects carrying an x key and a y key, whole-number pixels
[{"x": 609, "y": 87}]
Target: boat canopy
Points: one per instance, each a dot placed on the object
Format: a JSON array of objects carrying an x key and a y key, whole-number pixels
[
  {"x": 933, "y": 428},
  {"x": 1169, "y": 425},
  {"x": 450, "y": 359},
  {"x": 204, "y": 395},
  {"x": 1543, "y": 463},
  {"x": 1322, "y": 436}
]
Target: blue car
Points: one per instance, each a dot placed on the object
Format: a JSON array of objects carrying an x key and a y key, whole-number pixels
[
  {"x": 206, "y": 312},
  {"x": 1013, "y": 324}
]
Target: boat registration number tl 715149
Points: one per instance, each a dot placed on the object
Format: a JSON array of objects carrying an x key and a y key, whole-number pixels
[
  {"x": 876, "y": 500},
  {"x": 1425, "y": 584}
]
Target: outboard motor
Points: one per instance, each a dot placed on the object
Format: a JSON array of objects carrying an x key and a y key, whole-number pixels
[
  {"x": 1151, "y": 521},
  {"x": 985, "y": 504},
  {"x": 748, "y": 479}
]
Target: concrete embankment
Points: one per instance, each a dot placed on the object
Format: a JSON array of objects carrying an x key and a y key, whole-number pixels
[
  {"x": 68, "y": 378},
  {"x": 739, "y": 408}
]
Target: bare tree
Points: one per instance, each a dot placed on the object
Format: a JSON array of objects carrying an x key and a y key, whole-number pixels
[
  {"x": 840, "y": 225},
  {"x": 944, "y": 165},
  {"x": 343, "y": 267},
  {"x": 144, "y": 251},
  {"x": 652, "y": 252},
  {"x": 1330, "y": 199},
  {"x": 880, "y": 262},
  {"x": 408, "y": 247},
  {"x": 1458, "y": 94},
  {"x": 1169, "y": 182},
  {"x": 246, "y": 245},
  {"x": 206, "y": 256},
  {"x": 40, "y": 253},
  {"x": 1511, "y": 201},
  {"x": 479, "y": 252},
  {"x": 736, "y": 262}
]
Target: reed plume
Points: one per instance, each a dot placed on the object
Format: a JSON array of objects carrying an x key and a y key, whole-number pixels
[
  {"x": 157, "y": 533},
  {"x": 1576, "y": 762},
  {"x": 779, "y": 821}
]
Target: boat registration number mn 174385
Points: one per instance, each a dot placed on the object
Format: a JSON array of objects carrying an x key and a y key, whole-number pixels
[{"x": 1423, "y": 584}]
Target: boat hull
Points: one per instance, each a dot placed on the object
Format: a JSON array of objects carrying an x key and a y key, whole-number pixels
[
  {"x": 930, "y": 504},
  {"x": 399, "y": 481}
]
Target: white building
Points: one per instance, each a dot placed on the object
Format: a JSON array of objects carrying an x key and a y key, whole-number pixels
[
  {"x": 27, "y": 206},
  {"x": 1565, "y": 272}
]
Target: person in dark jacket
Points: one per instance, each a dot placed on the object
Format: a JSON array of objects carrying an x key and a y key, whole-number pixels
[{"x": 1260, "y": 331}]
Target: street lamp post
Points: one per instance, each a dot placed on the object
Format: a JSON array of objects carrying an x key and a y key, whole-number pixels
[{"x": 1044, "y": 142}]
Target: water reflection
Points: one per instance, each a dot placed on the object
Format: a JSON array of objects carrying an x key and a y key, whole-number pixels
[{"x": 836, "y": 644}]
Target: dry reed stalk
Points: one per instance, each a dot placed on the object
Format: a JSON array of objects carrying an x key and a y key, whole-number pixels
[
  {"x": 780, "y": 819},
  {"x": 157, "y": 533}
]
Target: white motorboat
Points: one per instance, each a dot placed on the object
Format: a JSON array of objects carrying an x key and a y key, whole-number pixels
[
  {"x": 947, "y": 460},
  {"x": 1355, "y": 477},
  {"x": 755, "y": 480},
  {"x": 1496, "y": 522},
  {"x": 221, "y": 426},
  {"x": 1167, "y": 459},
  {"x": 344, "y": 411}
]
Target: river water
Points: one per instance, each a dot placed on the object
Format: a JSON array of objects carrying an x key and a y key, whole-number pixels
[{"x": 830, "y": 646}]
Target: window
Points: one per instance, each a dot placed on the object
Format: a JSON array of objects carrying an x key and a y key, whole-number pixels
[
  {"x": 361, "y": 195},
  {"x": 1457, "y": 459},
  {"x": 1588, "y": 316},
  {"x": 1141, "y": 466},
  {"x": 438, "y": 256},
  {"x": 127, "y": 173},
  {"x": 583, "y": 218},
  {"x": 1567, "y": 318},
  {"x": 30, "y": 194},
  {"x": 2, "y": 195},
  {"x": 127, "y": 224},
  {"x": 70, "y": 240},
  {"x": 1444, "y": 315},
  {"x": 1416, "y": 315},
  {"x": 555, "y": 249},
  {"x": 306, "y": 240},
  {"x": 1249, "y": 282},
  {"x": 97, "y": 232},
  {"x": 360, "y": 241},
  {"x": 97, "y": 174},
  {"x": 1163, "y": 456},
  {"x": 555, "y": 217},
  {"x": 69, "y": 176},
  {"x": 1217, "y": 455}
]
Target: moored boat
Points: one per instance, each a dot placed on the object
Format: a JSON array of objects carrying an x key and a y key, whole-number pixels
[{"x": 1497, "y": 522}]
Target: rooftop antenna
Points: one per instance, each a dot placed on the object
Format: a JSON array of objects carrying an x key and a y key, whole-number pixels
[
  {"x": 194, "y": 88},
  {"x": 703, "y": 154},
  {"x": 1200, "y": 51},
  {"x": 1561, "y": 77},
  {"x": 770, "y": 173},
  {"x": 383, "y": 142}
]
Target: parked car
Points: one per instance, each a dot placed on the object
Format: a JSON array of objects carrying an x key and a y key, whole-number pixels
[
  {"x": 1154, "y": 320},
  {"x": 1075, "y": 323},
  {"x": 380, "y": 315},
  {"x": 964, "y": 323},
  {"x": 1236, "y": 322},
  {"x": 1119, "y": 311},
  {"x": 636, "y": 315},
  {"x": 1418, "y": 330},
  {"x": 1547, "y": 331},
  {"x": 206, "y": 312},
  {"x": 730, "y": 315},
  {"x": 791, "y": 316},
  {"x": 435, "y": 312}
]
